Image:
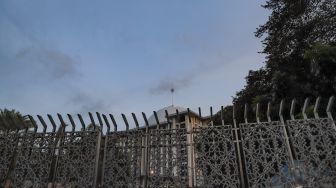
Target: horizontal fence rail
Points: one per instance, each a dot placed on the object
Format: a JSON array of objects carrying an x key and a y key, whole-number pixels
[{"x": 186, "y": 150}]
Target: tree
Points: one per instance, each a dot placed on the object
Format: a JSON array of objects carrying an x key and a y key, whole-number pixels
[
  {"x": 13, "y": 120},
  {"x": 299, "y": 40},
  {"x": 294, "y": 28}
]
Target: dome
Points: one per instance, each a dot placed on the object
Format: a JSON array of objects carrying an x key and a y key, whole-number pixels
[{"x": 162, "y": 114}]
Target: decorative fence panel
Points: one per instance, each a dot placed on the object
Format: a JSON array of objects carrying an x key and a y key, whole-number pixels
[
  {"x": 123, "y": 159},
  {"x": 77, "y": 159},
  {"x": 266, "y": 155},
  {"x": 8, "y": 145},
  {"x": 314, "y": 145},
  {"x": 34, "y": 157},
  {"x": 216, "y": 162},
  {"x": 168, "y": 158}
]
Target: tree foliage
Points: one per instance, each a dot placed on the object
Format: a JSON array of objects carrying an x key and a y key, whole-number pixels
[
  {"x": 299, "y": 40},
  {"x": 13, "y": 120}
]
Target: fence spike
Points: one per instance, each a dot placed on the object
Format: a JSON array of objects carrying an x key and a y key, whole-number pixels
[
  {"x": 234, "y": 116},
  {"x": 222, "y": 114},
  {"x": 23, "y": 122},
  {"x": 135, "y": 120},
  {"x": 33, "y": 122},
  {"x": 245, "y": 113},
  {"x": 168, "y": 120},
  {"x": 107, "y": 123},
  {"x": 177, "y": 115},
  {"x": 52, "y": 122},
  {"x": 257, "y": 113},
  {"x": 126, "y": 122},
  {"x": 145, "y": 119},
  {"x": 269, "y": 112},
  {"x": 61, "y": 120},
  {"x": 81, "y": 121},
  {"x": 211, "y": 120},
  {"x": 92, "y": 121},
  {"x": 99, "y": 120},
  {"x": 292, "y": 109},
  {"x": 281, "y": 111},
  {"x": 330, "y": 105},
  {"x": 114, "y": 123},
  {"x": 189, "y": 118},
  {"x": 304, "y": 109},
  {"x": 199, "y": 112},
  {"x": 43, "y": 123},
  {"x": 316, "y": 107},
  {"x": 156, "y": 119},
  {"x": 167, "y": 116},
  {"x": 73, "y": 125}
]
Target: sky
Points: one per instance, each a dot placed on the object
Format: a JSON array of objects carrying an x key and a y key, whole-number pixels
[{"x": 124, "y": 56}]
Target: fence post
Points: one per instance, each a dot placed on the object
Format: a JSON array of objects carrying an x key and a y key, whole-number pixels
[
  {"x": 285, "y": 133},
  {"x": 146, "y": 163},
  {"x": 237, "y": 141}
]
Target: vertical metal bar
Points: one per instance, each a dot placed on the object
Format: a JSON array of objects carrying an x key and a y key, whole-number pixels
[
  {"x": 177, "y": 115},
  {"x": 72, "y": 123},
  {"x": 237, "y": 141},
  {"x": 269, "y": 112},
  {"x": 33, "y": 122},
  {"x": 316, "y": 108},
  {"x": 114, "y": 123},
  {"x": 211, "y": 119},
  {"x": 257, "y": 113},
  {"x": 105, "y": 147},
  {"x": 222, "y": 115},
  {"x": 58, "y": 144},
  {"x": 61, "y": 120},
  {"x": 304, "y": 109},
  {"x": 146, "y": 163},
  {"x": 97, "y": 146},
  {"x": 169, "y": 143},
  {"x": 126, "y": 122},
  {"x": 43, "y": 123},
  {"x": 192, "y": 148},
  {"x": 82, "y": 121},
  {"x": 285, "y": 132},
  {"x": 292, "y": 109},
  {"x": 23, "y": 122},
  {"x": 97, "y": 158},
  {"x": 328, "y": 110},
  {"x": 200, "y": 115},
  {"x": 52, "y": 122},
  {"x": 157, "y": 120},
  {"x": 107, "y": 123},
  {"x": 135, "y": 121},
  {"x": 92, "y": 121},
  {"x": 99, "y": 119},
  {"x": 245, "y": 113},
  {"x": 167, "y": 117}
]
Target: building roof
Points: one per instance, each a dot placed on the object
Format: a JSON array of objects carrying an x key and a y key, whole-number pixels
[{"x": 162, "y": 114}]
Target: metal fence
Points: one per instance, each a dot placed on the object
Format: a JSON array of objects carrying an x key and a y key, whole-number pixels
[{"x": 283, "y": 153}]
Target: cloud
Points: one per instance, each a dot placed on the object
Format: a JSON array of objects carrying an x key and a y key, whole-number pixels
[
  {"x": 54, "y": 61},
  {"x": 186, "y": 79},
  {"x": 166, "y": 85},
  {"x": 86, "y": 103}
]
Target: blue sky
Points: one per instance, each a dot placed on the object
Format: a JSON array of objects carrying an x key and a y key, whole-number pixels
[{"x": 123, "y": 56}]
